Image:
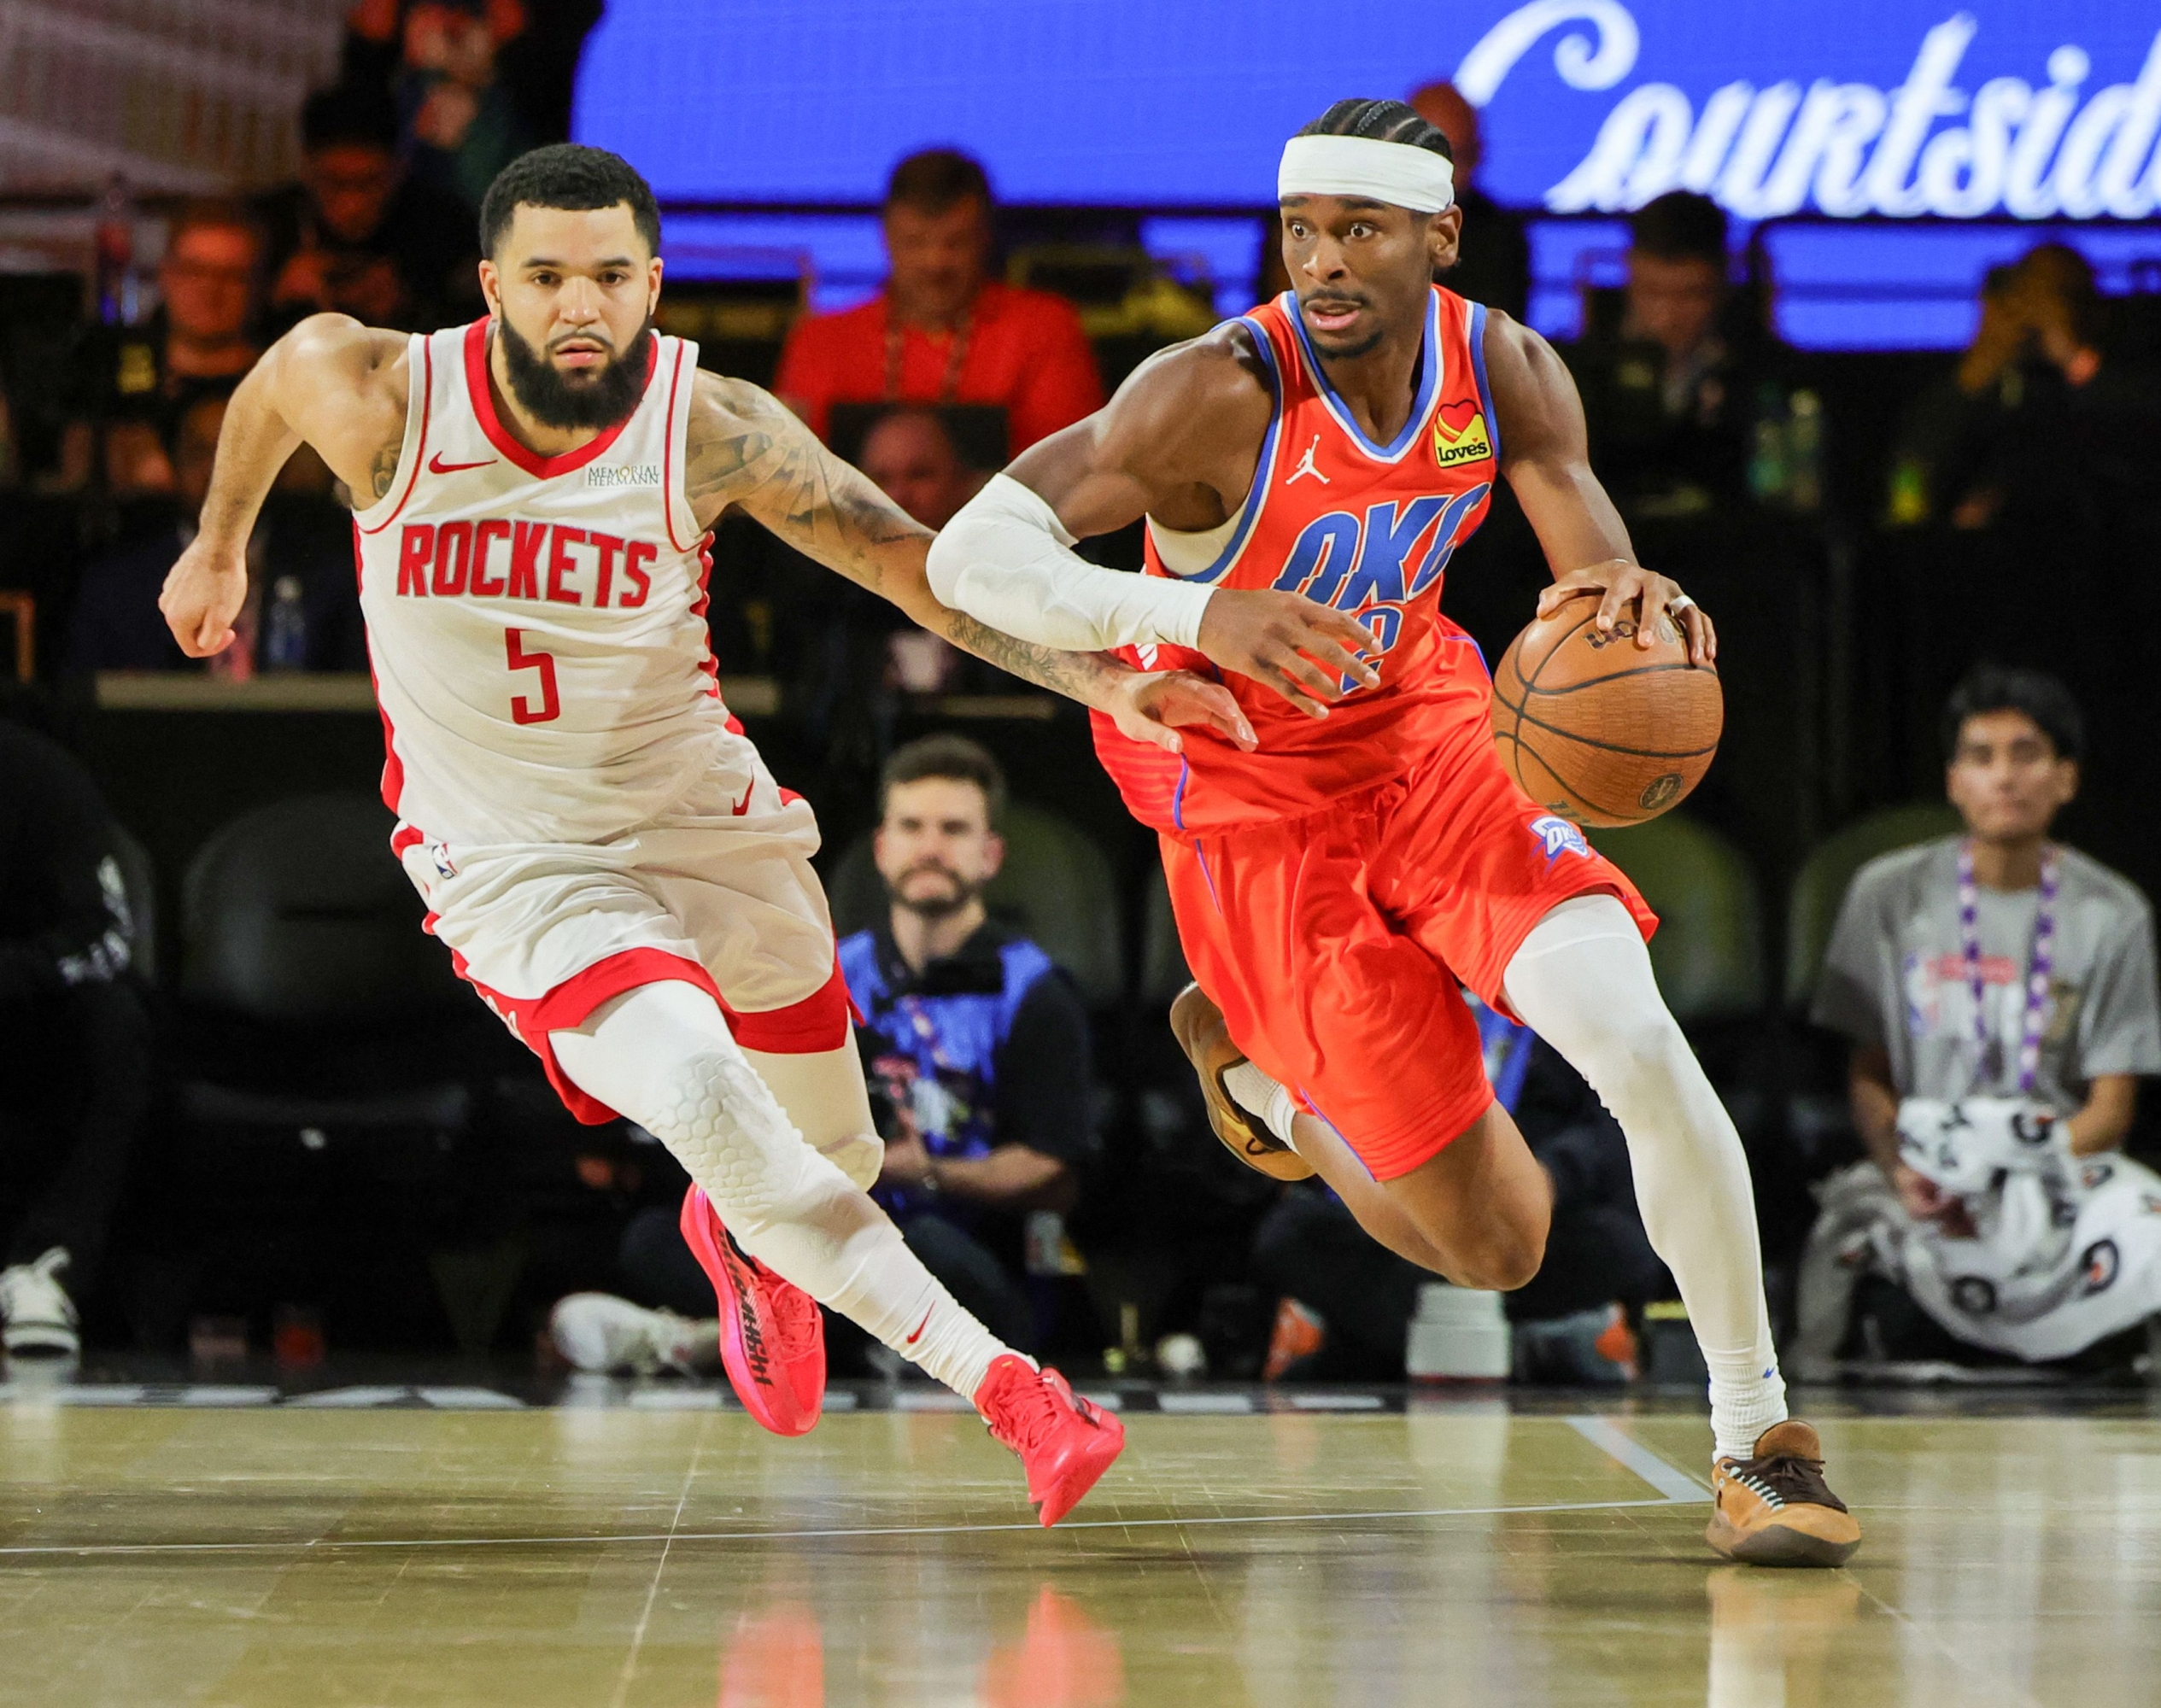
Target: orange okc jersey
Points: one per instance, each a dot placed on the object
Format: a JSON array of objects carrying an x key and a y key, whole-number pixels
[{"x": 1365, "y": 528}]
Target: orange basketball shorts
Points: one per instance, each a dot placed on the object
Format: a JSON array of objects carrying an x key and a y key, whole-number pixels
[{"x": 1336, "y": 943}]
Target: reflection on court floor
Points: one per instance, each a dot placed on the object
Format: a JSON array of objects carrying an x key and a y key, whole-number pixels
[{"x": 423, "y": 1545}]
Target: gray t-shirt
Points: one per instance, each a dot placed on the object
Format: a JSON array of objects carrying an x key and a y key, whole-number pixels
[{"x": 1895, "y": 974}]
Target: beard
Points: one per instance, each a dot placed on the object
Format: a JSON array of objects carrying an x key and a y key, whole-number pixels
[
  {"x": 589, "y": 397},
  {"x": 939, "y": 906}
]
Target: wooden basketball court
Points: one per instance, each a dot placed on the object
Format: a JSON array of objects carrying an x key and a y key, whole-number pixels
[{"x": 648, "y": 1544}]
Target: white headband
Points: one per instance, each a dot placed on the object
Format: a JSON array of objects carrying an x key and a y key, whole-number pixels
[{"x": 1394, "y": 172}]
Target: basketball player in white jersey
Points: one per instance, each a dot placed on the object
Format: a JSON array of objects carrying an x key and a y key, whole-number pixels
[{"x": 609, "y": 862}]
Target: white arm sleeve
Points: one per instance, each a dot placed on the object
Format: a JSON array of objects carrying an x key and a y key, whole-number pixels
[{"x": 1007, "y": 561}]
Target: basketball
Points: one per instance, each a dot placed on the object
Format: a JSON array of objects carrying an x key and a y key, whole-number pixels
[{"x": 1601, "y": 730}]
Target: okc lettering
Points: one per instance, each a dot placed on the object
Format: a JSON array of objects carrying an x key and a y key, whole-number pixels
[
  {"x": 523, "y": 560},
  {"x": 2034, "y": 149},
  {"x": 1351, "y": 562}
]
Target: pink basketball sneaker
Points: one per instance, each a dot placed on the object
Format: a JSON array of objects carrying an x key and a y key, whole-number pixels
[
  {"x": 772, "y": 1339},
  {"x": 1065, "y": 1441}
]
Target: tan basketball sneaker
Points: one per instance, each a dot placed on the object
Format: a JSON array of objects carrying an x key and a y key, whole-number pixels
[
  {"x": 1197, "y": 1024},
  {"x": 1775, "y": 1508}
]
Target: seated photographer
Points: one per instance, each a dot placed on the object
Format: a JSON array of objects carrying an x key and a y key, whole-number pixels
[
  {"x": 1997, "y": 989},
  {"x": 975, "y": 1044},
  {"x": 977, "y": 1053}
]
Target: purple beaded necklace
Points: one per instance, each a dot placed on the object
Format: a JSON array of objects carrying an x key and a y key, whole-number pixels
[{"x": 2040, "y": 964}]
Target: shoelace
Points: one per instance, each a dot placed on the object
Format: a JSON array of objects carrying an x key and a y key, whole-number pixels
[
  {"x": 793, "y": 1316},
  {"x": 1796, "y": 1480},
  {"x": 788, "y": 1314},
  {"x": 1027, "y": 1414},
  {"x": 796, "y": 1322}
]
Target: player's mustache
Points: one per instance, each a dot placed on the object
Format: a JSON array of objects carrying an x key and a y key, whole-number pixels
[
  {"x": 599, "y": 338},
  {"x": 1325, "y": 300}
]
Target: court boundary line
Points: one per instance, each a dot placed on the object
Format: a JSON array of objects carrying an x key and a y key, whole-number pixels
[
  {"x": 659, "y": 1569},
  {"x": 1679, "y": 1487},
  {"x": 318, "y": 1544}
]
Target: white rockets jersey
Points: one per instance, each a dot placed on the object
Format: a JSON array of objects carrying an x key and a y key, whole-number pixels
[{"x": 537, "y": 625}]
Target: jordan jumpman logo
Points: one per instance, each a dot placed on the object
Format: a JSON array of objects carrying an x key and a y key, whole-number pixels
[{"x": 1306, "y": 465}]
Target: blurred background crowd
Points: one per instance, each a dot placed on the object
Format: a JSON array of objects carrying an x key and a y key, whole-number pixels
[{"x": 247, "y": 1104}]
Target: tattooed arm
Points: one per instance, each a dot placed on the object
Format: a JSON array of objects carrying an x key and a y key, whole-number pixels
[
  {"x": 747, "y": 452},
  {"x": 331, "y": 382}
]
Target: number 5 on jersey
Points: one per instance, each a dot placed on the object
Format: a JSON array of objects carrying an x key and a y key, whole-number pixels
[{"x": 522, "y": 710}]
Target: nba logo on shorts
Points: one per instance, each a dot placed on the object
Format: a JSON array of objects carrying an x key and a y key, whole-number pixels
[{"x": 1559, "y": 836}]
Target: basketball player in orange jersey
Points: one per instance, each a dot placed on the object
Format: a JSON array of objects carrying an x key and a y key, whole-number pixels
[
  {"x": 607, "y": 858},
  {"x": 1334, "y": 887}
]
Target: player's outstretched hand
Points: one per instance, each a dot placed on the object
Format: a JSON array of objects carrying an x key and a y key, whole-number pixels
[
  {"x": 1618, "y": 584},
  {"x": 203, "y": 594},
  {"x": 1296, "y": 647},
  {"x": 1155, "y": 705}
]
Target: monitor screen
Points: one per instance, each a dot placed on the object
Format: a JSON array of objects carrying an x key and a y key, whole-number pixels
[
  {"x": 1775, "y": 107},
  {"x": 1826, "y": 110}
]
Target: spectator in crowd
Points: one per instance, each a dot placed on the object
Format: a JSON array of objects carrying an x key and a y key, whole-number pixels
[
  {"x": 976, "y": 1043},
  {"x": 2036, "y": 423},
  {"x": 1997, "y": 989},
  {"x": 74, "y": 1039},
  {"x": 1671, "y": 394},
  {"x": 1347, "y": 1301},
  {"x": 943, "y": 330},
  {"x": 357, "y": 234},
  {"x": 534, "y": 45},
  {"x": 1495, "y": 265},
  {"x": 977, "y": 1052},
  {"x": 441, "y": 59},
  {"x": 911, "y": 453},
  {"x": 301, "y": 570},
  {"x": 131, "y": 384}
]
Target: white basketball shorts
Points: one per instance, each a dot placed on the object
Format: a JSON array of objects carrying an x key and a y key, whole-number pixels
[{"x": 718, "y": 892}]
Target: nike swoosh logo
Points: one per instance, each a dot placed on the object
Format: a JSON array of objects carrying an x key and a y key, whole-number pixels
[
  {"x": 437, "y": 466},
  {"x": 920, "y": 1327},
  {"x": 742, "y": 806}
]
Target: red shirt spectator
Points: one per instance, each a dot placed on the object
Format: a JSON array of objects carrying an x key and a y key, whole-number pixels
[{"x": 941, "y": 332}]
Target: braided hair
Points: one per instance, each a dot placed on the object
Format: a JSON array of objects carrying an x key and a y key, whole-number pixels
[{"x": 1383, "y": 121}]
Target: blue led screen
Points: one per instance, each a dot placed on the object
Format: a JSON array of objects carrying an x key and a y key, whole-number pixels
[{"x": 1823, "y": 107}]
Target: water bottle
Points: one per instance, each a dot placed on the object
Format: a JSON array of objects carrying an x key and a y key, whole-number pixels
[
  {"x": 285, "y": 634},
  {"x": 119, "y": 293},
  {"x": 1805, "y": 452},
  {"x": 1770, "y": 473}
]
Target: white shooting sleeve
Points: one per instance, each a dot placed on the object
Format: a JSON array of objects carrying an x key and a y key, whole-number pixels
[{"x": 1008, "y": 562}]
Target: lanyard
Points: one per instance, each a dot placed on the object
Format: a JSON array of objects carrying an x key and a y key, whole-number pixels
[
  {"x": 2040, "y": 964},
  {"x": 949, "y": 382},
  {"x": 926, "y": 1032}
]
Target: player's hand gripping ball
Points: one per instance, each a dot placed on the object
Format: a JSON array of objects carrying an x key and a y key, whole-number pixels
[{"x": 1597, "y": 728}]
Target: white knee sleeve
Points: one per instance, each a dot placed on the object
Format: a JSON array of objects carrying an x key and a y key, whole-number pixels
[
  {"x": 1582, "y": 981},
  {"x": 662, "y": 1054}
]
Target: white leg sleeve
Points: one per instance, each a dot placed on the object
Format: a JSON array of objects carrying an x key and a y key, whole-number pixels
[
  {"x": 662, "y": 1054},
  {"x": 1582, "y": 981}
]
